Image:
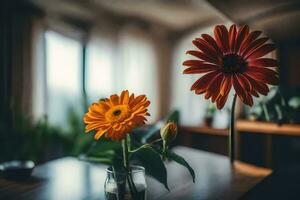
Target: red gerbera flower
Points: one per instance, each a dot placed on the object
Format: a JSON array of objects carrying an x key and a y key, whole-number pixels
[{"x": 232, "y": 58}]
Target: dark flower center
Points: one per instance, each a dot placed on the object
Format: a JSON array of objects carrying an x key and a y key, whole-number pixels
[
  {"x": 117, "y": 112},
  {"x": 233, "y": 63}
]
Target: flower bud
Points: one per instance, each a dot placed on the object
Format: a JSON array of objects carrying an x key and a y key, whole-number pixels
[{"x": 169, "y": 132}]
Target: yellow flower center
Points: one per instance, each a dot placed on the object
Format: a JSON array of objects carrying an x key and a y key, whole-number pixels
[{"x": 117, "y": 113}]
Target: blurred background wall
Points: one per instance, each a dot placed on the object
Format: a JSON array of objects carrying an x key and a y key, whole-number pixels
[{"x": 58, "y": 56}]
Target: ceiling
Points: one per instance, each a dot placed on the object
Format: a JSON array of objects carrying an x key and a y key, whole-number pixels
[
  {"x": 177, "y": 15},
  {"x": 278, "y": 18},
  {"x": 174, "y": 15}
]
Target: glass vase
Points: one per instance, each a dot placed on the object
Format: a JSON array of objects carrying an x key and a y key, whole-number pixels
[{"x": 126, "y": 186}]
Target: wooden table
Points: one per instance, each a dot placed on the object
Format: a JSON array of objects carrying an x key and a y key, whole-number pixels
[{"x": 71, "y": 179}]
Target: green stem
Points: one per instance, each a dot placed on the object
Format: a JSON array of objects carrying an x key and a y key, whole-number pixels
[
  {"x": 165, "y": 146},
  {"x": 265, "y": 110},
  {"x": 131, "y": 185},
  {"x": 120, "y": 187},
  {"x": 125, "y": 154},
  {"x": 232, "y": 131},
  {"x": 279, "y": 112},
  {"x": 145, "y": 145}
]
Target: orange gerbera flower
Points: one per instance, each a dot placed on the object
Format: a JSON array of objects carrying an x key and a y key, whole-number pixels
[
  {"x": 232, "y": 58},
  {"x": 116, "y": 116}
]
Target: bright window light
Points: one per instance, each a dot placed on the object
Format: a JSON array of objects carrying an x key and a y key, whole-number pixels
[
  {"x": 63, "y": 61},
  {"x": 99, "y": 79}
]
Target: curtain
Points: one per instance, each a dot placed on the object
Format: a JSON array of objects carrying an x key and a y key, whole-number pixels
[
  {"x": 17, "y": 22},
  {"x": 57, "y": 71},
  {"x": 17, "y": 31},
  {"x": 64, "y": 78},
  {"x": 138, "y": 70},
  {"x": 122, "y": 59},
  {"x": 21, "y": 63},
  {"x": 39, "y": 86},
  {"x": 101, "y": 60}
]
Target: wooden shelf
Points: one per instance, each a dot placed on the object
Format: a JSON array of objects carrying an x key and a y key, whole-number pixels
[
  {"x": 249, "y": 127},
  {"x": 267, "y": 128}
]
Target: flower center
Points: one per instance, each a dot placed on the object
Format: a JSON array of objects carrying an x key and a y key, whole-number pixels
[
  {"x": 233, "y": 63},
  {"x": 117, "y": 113}
]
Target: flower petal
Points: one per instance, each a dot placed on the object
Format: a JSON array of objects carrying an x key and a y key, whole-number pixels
[
  {"x": 100, "y": 132},
  {"x": 99, "y": 108},
  {"x": 261, "y": 51},
  {"x": 205, "y": 47},
  {"x": 249, "y": 99},
  {"x": 222, "y": 37},
  {"x": 210, "y": 40},
  {"x": 253, "y": 45},
  {"x": 240, "y": 91},
  {"x": 241, "y": 35},
  {"x": 137, "y": 100},
  {"x": 226, "y": 85},
  {"x": 124, "y": 99},
  {"x": 94, "y": 126},
  {"x": 264, "y": 62},
  {"x": 204, "y": 81},
  {"x": 260, "y": 87},
  {"x": 245, "y": 82},
  {"x": 249, "y": 39},
  {"x": 114, "y": 100},
  {"x": 214, "y": 86},
  {"x": 254, "y": 93},
  {"x": 232, "y": 37},
  {"x": 192, "y": 63},
  {"x": 264, "y": 75},
  {"x": 198, "y": 70},
  {"x": 221, "y": 101},
  {"x": 203, "y": 56}
]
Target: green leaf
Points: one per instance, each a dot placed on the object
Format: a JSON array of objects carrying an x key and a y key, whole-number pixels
[
  {"x": 180, "y": 160},
  {"x": 103, "y": 145},
  {"x": 106, "y": 152},
  {"x": 153, "y": 164}
]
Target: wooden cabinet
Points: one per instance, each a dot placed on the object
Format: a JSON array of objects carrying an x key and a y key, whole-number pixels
[{"x": 260, "y": 143}]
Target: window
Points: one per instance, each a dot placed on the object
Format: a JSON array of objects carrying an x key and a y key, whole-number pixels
[
  {"x": 113, "y": 63},
  {"x": 63, "y": 64}
]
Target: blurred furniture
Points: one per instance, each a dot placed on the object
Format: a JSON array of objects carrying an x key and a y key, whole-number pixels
[
  {"x": 281, "y": 184},
  {"x": 268, "y": 128},
  {"x": 259, "y": 143},
  {"x": 69, "y": 178},
  {"x": 204, "y": 138},
  {"x": 272, "y": 145}
]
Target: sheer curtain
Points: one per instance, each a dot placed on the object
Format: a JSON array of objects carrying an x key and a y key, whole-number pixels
[
  {"x": 121, "y": 61},
  {"x": 192, "y": 107},
  {"x": 100, "y": 71},
  {"x": 64, "y": 77},
  {"x": 116, "y": 60},
  {"x": 139, "y": 66}
]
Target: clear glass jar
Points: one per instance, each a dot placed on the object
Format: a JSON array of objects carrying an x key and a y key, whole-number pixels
[{"x": 125, "y": 186}]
